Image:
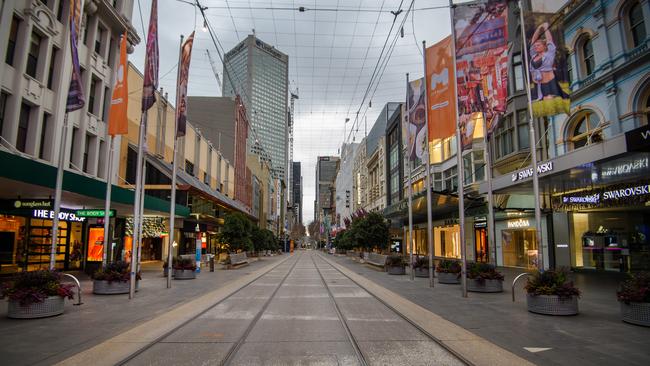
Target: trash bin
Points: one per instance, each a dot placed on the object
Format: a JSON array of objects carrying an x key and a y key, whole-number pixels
[{"x": 211, "y": 261}]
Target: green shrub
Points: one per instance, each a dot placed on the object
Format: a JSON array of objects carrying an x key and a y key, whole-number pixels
[{"x": 551, "y": 282}]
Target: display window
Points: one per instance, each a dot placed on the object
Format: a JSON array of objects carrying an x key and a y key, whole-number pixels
[
  {"x": 447, "y": 241},
  {"x": 519, "y": 248},
  {"x": 12, "y": 243},
  {"x": 611, "y": 241}
]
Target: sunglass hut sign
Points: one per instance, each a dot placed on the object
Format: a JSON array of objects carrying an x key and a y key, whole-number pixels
[{"x": 527, "y": 173}]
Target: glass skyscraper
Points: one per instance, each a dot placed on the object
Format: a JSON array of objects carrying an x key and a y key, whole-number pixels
[{"x": 259, "y": 73}]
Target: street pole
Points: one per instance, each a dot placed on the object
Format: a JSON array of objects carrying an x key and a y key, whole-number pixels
[
  {"x": 533, "y": 148},
  {"x": 172, "y": 203},
  {"x": 107, "y": 204},
  {"x": 427, "y": 165},
  {"x": 136, "y": 205},
  {"x": 411, "y": 244},
  {"x": 459, "y": 156},
  {"x": 488, "y": 171},
  {"x": 57, "y": 192}
]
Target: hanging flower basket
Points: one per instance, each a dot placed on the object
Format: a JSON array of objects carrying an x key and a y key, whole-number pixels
[{"x": 50, "y": 306}]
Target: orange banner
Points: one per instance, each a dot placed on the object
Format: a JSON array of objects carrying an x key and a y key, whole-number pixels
[
  {"x": 440, "y": 93},
  {"x": 95, "y": 244},
  {"x": 117, "y": 121}
]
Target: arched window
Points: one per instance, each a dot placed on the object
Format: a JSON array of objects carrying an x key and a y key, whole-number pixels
[
  {"x": 636, "y": 24},
  {"x": 582, "y": 129},
  {"x": 587, "y": 54},
  {"x": 647, "y": 109}
]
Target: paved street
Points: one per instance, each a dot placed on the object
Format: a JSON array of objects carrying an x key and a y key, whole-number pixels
[{"x": 302, "y": 312}]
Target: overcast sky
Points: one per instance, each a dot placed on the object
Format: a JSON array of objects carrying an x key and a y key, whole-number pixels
[{"x": 332, "y": 55}]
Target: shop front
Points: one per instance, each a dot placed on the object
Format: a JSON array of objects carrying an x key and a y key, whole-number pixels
[{"x": 26, "y": 239}]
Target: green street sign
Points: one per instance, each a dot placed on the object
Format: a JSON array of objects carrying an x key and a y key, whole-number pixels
[{"x": 94, "y": 213}]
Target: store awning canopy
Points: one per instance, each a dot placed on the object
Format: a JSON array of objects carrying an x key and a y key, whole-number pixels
[
  {"x": 28, "y": 178},
  {"x": 444, "y": 204}
]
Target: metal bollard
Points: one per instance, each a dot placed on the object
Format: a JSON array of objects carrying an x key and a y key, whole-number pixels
[{"x": 211, "y": 263}]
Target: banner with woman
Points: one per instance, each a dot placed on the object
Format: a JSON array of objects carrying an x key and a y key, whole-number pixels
[
  {"x": 549, "y": 77},
  {"x": 415, "y": 132}
]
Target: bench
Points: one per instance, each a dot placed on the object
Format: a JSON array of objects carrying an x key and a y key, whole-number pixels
[
  {"x": 377, "y": 259},
  {"x": 237, "y": 259}
]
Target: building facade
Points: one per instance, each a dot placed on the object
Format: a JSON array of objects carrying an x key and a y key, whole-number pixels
[
  {"x": 325, "y": 206},
  {"x": 259, "y": 73},
  {"x": 344, "y": 184},
  {"x": 296, "y": 191}
]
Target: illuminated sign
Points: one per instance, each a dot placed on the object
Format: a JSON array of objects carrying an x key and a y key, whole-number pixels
[
  {"x": 626, "y": 192},
  {"x": 94, "y": 213},
  {"x": 32, "y": 204},
  {"x": 49, "y": 214},
  {"x": 592, "y": 199},
  {"x": 95, "y": 244},
  {"x": 514, "y": 224},
  {"x": 626, "y": 168},
  {"x": 527, "y": 173}
]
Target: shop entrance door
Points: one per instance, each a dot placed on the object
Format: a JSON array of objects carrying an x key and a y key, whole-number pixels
[{"x": 481, "y": 247}]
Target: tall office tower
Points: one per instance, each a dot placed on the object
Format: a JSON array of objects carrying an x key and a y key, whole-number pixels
[
  {"x": 326, "y": 169},
  {"x": 296, "y": 192},
  {"x": 259, "y": 74}
]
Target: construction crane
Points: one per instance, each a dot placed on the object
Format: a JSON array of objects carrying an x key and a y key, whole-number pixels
[{"x": 214, "y": 69}]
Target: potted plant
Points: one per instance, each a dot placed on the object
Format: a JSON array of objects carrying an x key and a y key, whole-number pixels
[
  {"x": 634, "y": 297},
  {"x": 448, "y": 272},
  {"x": 421, "y": 267},
  {"x": 552, "y": 293},
  {"x": 483, "y": 277},
  {"x": 184, "y": 269},
  {"x": 113, "y": 279},
  {"x": 35, "y": 294},
  {"x": 166, "y": 267},
  {"x": 395, "y": 264}
]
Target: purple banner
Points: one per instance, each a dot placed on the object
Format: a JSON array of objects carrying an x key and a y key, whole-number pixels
[
  {"x": 181, "y": 93},
  {"x": 75, "y": 92},
  {"x": 150, "y": 83}
]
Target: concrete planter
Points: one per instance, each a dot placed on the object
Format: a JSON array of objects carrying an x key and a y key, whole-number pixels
[
  {"x": 475, "y": 285},
  {"x": 396, "y": 270},
  {"x": 636, "y": 313},
  {"x": 111, "y": 288},
  {"x": 184, "y": 274},
  {"x": 552, "y": 305},
  {"x": 51, "y": 306},
  {"x": 166, "y": 272},
  {"x": 448, "y": 278},
  {"x": 421, "y": 272}
]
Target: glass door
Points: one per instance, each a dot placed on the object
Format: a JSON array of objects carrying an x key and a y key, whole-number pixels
[{"x": 481, "y": 247}]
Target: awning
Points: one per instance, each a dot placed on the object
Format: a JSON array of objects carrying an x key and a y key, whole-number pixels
[
  {"x": 444, "y": 204},
  {"x": 24, "y": 177}
]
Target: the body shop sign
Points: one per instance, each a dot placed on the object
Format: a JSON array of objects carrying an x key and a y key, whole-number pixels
[
  {"x": 542, "y": 168},
  {"x": 63, "y": 215}
]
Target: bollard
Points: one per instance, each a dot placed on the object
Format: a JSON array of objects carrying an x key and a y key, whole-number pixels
[{"x": 211, "y": 263}]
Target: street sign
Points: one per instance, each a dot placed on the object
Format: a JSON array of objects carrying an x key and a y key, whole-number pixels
[{"x": 94, "y": 213}]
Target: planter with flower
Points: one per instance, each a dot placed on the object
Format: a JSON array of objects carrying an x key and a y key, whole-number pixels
[
  {"x": 166, "y": 267},
  {"x": 184, "y": 269},
  {"x": 634, "y": 297},
  {"x": 448, "y": 272},
  {"x": 552, "y": 293},
  {"x": 113, "y": 279},
  {"x": 395, "y": 264},
  {"x": 35, "y": 294},
  {"x": 483, "y": 277},
  {"x": 421, "y": 267}
]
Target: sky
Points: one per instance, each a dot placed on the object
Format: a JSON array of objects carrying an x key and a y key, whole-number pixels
[{"x": 332, "y": 56}]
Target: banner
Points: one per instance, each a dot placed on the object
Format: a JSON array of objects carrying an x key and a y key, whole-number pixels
[
  {"x": 481, "y": 64},
  {"x": 440, "y": 94},
  {"x": 117, "y": 120},
  {"x": 415, "y": 131},
  {"x": 549, "y": 76},
  {"x": 150, "y": 83},
  {"x": 181, "y": 93},
  {"x": 75, "y": 92}
]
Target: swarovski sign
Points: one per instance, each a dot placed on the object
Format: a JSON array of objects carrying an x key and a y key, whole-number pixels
[
  {"x": 542, "y": 168},
  {"x": 626, "y": 192},
  {"x": 592, "y": 199}
]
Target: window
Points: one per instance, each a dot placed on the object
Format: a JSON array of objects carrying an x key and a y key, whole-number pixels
[
  {"x": 23, "y": 126},
  {"x": 41, "y": 147},
  {"x": 569, "y": 67},
  {"x": 107, "y": 104},
  {"x": 503, "y": 137},
  {"x": 523, "y": 129},
  {"x": 50, "y": 73},
  {"x": 189, "y": 167},
  {"x": 98, "y": 40},
  {"x": 636, "y": 24},
  {"x": 86, "y": 22},
  {"x": 86, "y": 149},
  {"x": 59, "y": 11},
  {"x": 91, "y": 95},
  {"x": 72, "y": 144},
  {"x": 518, "y": 70},
  {"x": 450, "y": 179},
  {"x": 588, "y": 61},
  {"x": 583, "y": 129},
  {"x": 32, "y": 56},
  {"x": 479, "y": 165},
  {"x": 11, "y": 44},
  {"x": 4, "y": 98}
]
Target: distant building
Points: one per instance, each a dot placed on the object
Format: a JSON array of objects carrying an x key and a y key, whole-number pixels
[
  {"x": 259, "y": 74},
  {"x": 296, "y": 191},
  {"x": 344, "y": 183},
  {"x": 326, "y": 168}
]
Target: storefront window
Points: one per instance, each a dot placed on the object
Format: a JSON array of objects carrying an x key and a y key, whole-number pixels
[
  {"x": 12, "y": 240},
  {"x": 519, "y": 248},
  {"x": 447, "y": 241},
  {"x": 610, "y": 241}
]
